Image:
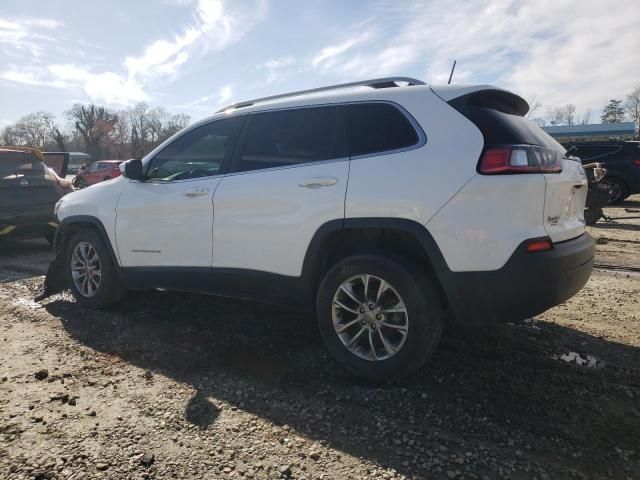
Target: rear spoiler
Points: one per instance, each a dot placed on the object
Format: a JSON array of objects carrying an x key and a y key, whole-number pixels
[{"x": 484, "y": 96}]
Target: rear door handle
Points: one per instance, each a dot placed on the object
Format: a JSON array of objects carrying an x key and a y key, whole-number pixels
[
  {"x": 195, "y": 192},
  {"x": 319, "y": 182}
]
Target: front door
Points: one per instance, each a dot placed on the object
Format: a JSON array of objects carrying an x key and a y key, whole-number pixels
[{"x": 167, "y": 220}]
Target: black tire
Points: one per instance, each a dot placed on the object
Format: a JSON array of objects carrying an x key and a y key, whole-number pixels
[
  {"x": 109, "y": 290},
  {"x": 592, "y": 215},
  {"x": 106, "y": 178},
  {"x": 424, "y": 310},
  {"x": 49, "y": 236},
  {"x": 618, "y": 190}
]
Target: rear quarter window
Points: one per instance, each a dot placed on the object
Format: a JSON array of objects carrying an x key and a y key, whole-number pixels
[{"x": 377, "y": 128}]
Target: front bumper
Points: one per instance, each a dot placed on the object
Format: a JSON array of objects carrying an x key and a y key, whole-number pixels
[{"x": 527, "y": 285}]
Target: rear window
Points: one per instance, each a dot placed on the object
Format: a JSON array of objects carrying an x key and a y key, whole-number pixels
[
  {"x": 499, "y": 116},
  {"x": 19, "y": 164},
  {"x": 377, "y": 128}
]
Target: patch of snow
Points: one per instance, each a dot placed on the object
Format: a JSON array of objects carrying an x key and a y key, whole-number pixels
[
  {"x": 581, "y": 360},
  {"x": 27, "y": 303}
]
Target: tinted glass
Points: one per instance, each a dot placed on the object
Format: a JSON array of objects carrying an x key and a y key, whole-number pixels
[
  {"x": 290, "y": 137},
  {"x": 378, "y": 127},
  {"x": 595, "y": 152},
  {"x": 15, "y": 164},
  {"x": 198, "y": 153}
]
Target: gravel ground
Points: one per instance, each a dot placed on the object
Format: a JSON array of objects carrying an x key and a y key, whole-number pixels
[{"x": 171, "y": 385}]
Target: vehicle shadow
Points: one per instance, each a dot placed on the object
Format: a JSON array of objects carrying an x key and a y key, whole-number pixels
[
  {"x": 616, "y": 224},
  {"x": 480, "y": 388},
  {"x": 23, "y": 259}
]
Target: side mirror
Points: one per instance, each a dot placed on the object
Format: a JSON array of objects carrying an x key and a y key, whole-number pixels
[{"x": 132, "y": 169}]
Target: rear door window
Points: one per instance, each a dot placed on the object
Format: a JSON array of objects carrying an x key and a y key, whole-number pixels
[
  {"x": 377, "y": 128},
  {"x": 291, "y": 137}
]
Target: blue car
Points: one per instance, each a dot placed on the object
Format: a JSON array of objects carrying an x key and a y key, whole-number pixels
[{"x": 622, "y": 161}]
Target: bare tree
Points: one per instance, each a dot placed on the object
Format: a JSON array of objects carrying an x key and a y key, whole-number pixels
[
  {"x": 121, "y": 136},
  {"x": 568, "y": 114},
  {"x": 95, "y": 124},
  {"x": 632, "y": 106},
  {"x": 33, "y": 130},
  {"x": 9, "y": 136},
  {"x": 59, "y": 139},
  {"x": 138, "y": 118},
  {"x": 534, "y": 106},
  {"x": 586, "y": 117},
  {"x": 555, "y": 116}
]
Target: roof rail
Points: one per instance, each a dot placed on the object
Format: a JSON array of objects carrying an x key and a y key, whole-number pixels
[{"x": 384, "y": 82}]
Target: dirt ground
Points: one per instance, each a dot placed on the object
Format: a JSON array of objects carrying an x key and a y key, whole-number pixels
[{"x": 172, "y": 385}]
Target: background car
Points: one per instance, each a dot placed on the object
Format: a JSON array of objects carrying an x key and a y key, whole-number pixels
[
  {"x": 622, "y": 161},
  {"x": 97, "y": 172},
  {"x": 28, "y": 192}
]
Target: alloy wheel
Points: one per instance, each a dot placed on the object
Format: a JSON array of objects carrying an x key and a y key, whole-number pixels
[
  {"x": 85, "y": 269},
  {"x": 370, "y": 317}
]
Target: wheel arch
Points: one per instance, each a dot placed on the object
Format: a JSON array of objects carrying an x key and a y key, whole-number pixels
[
  {"x": 71, "y": 224},
  {"x": 339, "y": 238}
]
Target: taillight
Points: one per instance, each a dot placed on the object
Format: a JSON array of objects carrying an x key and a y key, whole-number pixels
[
  {"x": 507, "y": 159},
  {"x": 636, "y": 163}
]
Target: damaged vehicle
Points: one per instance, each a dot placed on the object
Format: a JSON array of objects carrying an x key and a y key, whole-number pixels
[
  {"x": 387, "y": 206},
  {"x": 29, "y": 191}
]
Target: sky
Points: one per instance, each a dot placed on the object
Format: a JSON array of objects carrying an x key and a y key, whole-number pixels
[{"x": 196, "y": 56}]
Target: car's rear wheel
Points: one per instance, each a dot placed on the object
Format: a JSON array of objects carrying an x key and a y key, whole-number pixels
[
  {"x": 618, "y": 189},
  {"x": 380, "y": 317},
  {"x": 91, "y": 272}
]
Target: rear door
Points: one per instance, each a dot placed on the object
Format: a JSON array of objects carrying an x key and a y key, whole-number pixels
[{"x": 288, "y": 179}]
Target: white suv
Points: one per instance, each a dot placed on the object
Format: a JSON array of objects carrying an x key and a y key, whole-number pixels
[{"x": 388, "y": 206}]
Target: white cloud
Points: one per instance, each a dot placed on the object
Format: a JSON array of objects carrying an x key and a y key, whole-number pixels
[
  {"x": 222, "y": 96},
  {"x": 105, "y": 87},
  {"x": 26, "y": 35},
  {"x": 331, "y": 55},
  {"x": 572, "y": 51},
  {"x": 275, "y": 66},
  {"x": 216, "y": 25}
]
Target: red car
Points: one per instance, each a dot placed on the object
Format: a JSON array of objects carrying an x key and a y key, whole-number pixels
[{"x": 97, "y": 172}]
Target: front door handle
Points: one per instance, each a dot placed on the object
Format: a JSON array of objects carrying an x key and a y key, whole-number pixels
[
  {"x": 195, "y": 192},
  {"x": 319, "y": 182}
]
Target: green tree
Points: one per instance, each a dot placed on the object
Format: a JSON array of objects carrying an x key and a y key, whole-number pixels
[{"x": 613, "y": 112}]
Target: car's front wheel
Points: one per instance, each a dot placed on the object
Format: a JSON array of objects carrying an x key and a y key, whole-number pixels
[
  {"x": 380, "y": 317},
  {"x": 91, "y": 272}
]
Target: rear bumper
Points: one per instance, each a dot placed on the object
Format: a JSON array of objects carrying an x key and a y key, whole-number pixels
[{"x": 527, "y": 285}]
